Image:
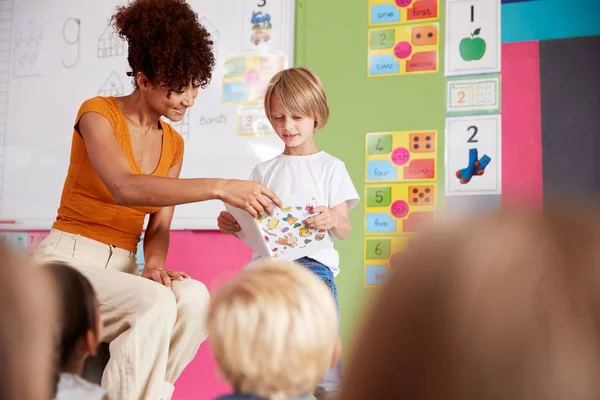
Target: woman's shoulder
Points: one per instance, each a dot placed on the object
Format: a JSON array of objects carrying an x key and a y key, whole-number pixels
[{"x": 106, "y": 106}]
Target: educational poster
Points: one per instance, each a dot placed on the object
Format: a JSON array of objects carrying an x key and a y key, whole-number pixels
[
  {"x": 252, "y": 121},
  {"x": 379, "y": 254},
  {"x": 472, "y": 37},
  {"x": 262, "y": 25},
  {"x": 402, "y": 11},
  {"x": 401, "y": 156},
  {"x": 30, "y": 51},
  {"x": 399, "y": 208},
  {"x": 245, "y": 78},
  {"x": 473, "y": 96},
  {"x": 402, "y": 50},
  {"x": 473, "y": 155}
]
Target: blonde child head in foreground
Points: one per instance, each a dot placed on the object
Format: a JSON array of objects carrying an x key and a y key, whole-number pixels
[{"x": 274, "y": 330}]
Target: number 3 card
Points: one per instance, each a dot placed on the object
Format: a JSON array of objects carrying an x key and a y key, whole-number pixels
[{"x": 473, "y": 155}]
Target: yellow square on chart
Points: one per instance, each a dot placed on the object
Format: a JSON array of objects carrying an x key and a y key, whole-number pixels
[
  {"x": 379, "y": 254},
  {"x": 401, "y": 156},
  {"x": 383, "y": 12},
  {"x": 399, "y": 209},
  {"x": 403, "y": 50}
]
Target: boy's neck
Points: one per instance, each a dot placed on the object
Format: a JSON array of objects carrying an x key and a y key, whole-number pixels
[{"x": 307, "y": 149}]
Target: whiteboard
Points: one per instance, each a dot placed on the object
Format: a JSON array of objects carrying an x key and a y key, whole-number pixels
[{"x": 54, "y": 54}]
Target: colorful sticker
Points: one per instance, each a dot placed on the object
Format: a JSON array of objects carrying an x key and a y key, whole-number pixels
[
  {"x": 383, "y": 12},
  {"x": 379, "y": 254},
  {"x": 404, "y": 50},
  {"x": 245, "y": 78},
  {"x": 399, "y": 208},
  {"x": 401, "y": 156}
]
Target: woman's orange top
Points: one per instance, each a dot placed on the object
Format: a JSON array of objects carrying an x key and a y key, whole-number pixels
[{"x": 86, "y": 206}]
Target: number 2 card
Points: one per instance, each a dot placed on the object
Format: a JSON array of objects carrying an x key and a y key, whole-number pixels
[{"x": 473, "y": 155}]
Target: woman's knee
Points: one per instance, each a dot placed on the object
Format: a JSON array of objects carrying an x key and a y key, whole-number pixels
[
  {"x": 157, "y": 298},
  {"x": 192, "y": 297}
]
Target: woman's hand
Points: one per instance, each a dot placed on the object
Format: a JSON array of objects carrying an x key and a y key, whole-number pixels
[
  {"x": 227, "y": 224},
  {"x": 250, "y": 196},
  {"x": 325, "y": 219},
  {"x": 163, "y": 276}
]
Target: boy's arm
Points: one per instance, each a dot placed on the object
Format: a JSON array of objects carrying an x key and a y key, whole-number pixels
[{"x": 340, "y": 221}]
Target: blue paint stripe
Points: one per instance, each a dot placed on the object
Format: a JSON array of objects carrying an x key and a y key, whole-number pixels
[{"x": 550, "y": 19}]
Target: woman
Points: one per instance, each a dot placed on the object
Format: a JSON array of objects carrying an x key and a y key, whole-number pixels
[{"x": 125, "y": 163}]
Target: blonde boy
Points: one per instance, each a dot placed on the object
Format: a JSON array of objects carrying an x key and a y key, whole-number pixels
[
  {"x": 296, "y": 105},
  {"x": 274, "y": 331}
]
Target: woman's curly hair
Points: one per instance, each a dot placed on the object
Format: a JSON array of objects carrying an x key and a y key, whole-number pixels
[{"x": 166, "y": 43}]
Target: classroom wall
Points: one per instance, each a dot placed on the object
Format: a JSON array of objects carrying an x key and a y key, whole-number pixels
[{"x": 331, "y": 38}]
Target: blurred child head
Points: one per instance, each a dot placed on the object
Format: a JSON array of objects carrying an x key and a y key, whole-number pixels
[
  {"x": 502, "y": 307},
  {"x": 80, "y": 327},
  {"x": 296, "y": 105},
  {"x": 274, "y": 330},
  {"x": 27, "y": 311}
]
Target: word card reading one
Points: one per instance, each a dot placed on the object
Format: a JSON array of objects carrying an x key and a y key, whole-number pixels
[{"x": 401, "y": 156}]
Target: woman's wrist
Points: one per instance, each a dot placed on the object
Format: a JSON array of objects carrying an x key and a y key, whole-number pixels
[{"x": 218, "y": 188}]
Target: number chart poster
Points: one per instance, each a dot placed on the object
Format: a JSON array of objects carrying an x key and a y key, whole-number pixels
[
  {"x": 399, "y": 209},
  {"x": 473, "y": 155},
  {"x": 402, "y": 11},
  {"x": 402, "y": 50},
  {"x": 380, "y": 253},
  {"x": 401, "y": 156},
  {"x": 245, "y": 79}
]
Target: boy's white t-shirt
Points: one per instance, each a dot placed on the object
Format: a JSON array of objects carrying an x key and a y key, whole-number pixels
[{"x": 322, "y": 173}]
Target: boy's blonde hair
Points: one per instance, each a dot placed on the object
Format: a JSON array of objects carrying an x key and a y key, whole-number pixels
[
  {"x": 274, "y": 330},
  {"x": 301, "y": 93}
]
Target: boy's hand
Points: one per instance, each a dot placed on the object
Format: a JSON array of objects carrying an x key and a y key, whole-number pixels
[
  {"x": 227, "y": 224},
  {"x": 325, "y": 219}
]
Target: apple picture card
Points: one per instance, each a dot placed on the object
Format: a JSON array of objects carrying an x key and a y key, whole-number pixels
[
  {"x": 283, "y": 235},
  {"x": 472, "y": 37}
]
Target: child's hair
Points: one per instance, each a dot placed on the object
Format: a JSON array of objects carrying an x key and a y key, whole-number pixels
[
  {"x": 78, "y": 309},
  {"x": 274, "y": 330},
  {"x": 493, "y": 307},
  {"x": 27, "y": 309},
  {"x": 300, "y": 92}
]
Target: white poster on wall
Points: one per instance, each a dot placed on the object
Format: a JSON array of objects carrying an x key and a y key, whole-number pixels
[
  {"x": 473, "y": 155},
  {"x": 472, "y": 37}
]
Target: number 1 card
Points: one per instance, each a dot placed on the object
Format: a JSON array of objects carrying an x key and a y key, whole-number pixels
[{"x": 473, "y": 155}]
